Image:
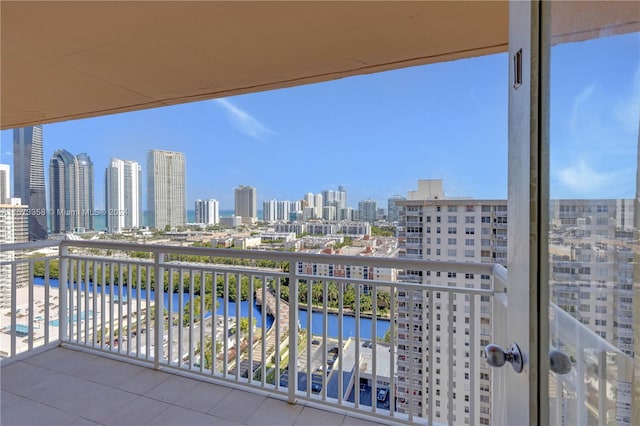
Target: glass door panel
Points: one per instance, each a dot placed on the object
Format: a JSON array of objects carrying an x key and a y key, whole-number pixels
[{"x": 593, "y": 243}]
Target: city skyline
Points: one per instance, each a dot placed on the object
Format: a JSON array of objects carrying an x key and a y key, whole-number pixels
[{"x": 274, "y": 140}]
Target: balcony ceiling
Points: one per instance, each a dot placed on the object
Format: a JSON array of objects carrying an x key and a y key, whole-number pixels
[{"x": 69, "y": 60}]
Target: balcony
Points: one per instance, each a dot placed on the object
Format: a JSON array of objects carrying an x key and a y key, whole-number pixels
[{"x": 90, "y": 324}]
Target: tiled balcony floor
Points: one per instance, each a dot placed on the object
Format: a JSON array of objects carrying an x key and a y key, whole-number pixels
[{"x": 67, "y": 387}]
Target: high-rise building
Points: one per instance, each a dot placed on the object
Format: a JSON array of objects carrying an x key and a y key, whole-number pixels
[
  {"x": 28, "y": 177},
  {"x": 329, "y": 213},
  {"x": 166, "y": 189},
  {"x": 392, "y": 207},
  {"x": 123, "y": 195},
  {"x": 341, "y": 198},
  {"x": 70, "y": 192},
  {"x": 318, "y": 203},
  {"x": 270, "y": 210},
  {"x": 5, "y": 189},
  {"x": 85, "y": 191},
  {"x": 368, "y": 210},
  {"x": 207, "y": 212},
  {"x": 14, "y": 228},
  {"x": 246, "y": 203},
  {"x": 435, "y": 228}
]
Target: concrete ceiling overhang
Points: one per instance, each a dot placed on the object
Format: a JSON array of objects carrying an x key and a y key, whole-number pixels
[{"x": 69, "y": 60}]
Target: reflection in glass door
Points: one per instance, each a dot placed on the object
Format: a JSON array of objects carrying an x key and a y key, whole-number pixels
[{"x": 594, "y": 249}]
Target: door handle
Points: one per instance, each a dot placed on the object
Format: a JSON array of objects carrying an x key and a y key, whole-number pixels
[
  {"x": 496, "y": 356},
  {"x": 559, "y": 362}
]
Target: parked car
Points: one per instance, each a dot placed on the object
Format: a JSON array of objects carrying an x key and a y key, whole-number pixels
[{"x": 382, "y": 394}]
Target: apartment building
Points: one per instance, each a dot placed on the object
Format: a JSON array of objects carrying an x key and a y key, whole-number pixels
[
  {"x": 166, "y": 189},
  {"x": 123, "y": 195},
  {"x": 435, "y": 228},
  {"x": 207, "y": 212},
  {"x": 593, "y": 252},
  {"x": 14, "y": 228}
]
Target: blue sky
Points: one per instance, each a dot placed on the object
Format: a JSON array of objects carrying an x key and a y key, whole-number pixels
[{"x": 378, "y": 134}]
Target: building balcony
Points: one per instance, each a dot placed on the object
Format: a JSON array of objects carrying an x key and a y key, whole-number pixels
[{"x": 87, "y": 321}]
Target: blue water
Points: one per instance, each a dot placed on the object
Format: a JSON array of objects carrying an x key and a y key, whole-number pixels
[{"x": 348, "y": 322}]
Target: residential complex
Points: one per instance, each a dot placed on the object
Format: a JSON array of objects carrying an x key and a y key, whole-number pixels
[
  {"x": 70, "y": 192},
  {"x": 368, "y": 210},
  {"x": 207, "y": 212},
  {"x": 166, "y": 189},
  {"x": 434, "y": 228},
  {"x": 28, "y": 177},
  {"x": 246, "y": 203},
  {"x": 123, "y": 196}
]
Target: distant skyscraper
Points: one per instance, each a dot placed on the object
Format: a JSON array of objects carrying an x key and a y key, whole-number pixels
[
  {"x": 63, "y": 192},
  {"x": 166, "y": 189},
  {"x": 246, "y": 203},
  {"x": 392, "y": 207},
  {"x": 5, "y": 191},
  {"x": 85, "y": 191},
  {"x": 123, "y": 196},
  {"x": 318, "y": 204},
  {"x": 207, "y": 212},
  {"x": 367, "y": 210},
  {"x": 28, "y": 177}
]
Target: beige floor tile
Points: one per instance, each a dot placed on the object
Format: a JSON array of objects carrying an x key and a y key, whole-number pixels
[
  {"x": 208, "y": 420},
  {"x": 353, "y": 421},
  {"x": 177, "y": 416},
  {"x": 237, "y": 406},
  {"x": 203, "y": 397},
  {"x": 314, "y": 417},
  {"x": 275, "y": 412},
  {"x": 142, "y": 382},
  {"x": 141, "y": 411},
  {"x": 172, "y": 389}
]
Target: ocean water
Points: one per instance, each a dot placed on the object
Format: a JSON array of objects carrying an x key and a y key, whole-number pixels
[{"x": 100, "y": 221}]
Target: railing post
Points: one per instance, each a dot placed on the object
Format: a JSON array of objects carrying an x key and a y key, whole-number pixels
[
  {"x": 159, "y": 309},
  {"x": 293, "y": 333},
  {"x": 62, "y": 293}
]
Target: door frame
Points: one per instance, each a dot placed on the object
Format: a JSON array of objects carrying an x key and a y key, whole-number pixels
[{"x": 528, "y": 209}]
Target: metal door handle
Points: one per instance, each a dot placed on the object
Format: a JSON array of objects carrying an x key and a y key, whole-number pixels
[
  {"x": 496, "y": 356},
  {"x": 559, "y": 362}
]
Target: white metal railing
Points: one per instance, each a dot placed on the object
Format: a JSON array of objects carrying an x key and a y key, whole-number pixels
[{"x": 205, "y": 311}]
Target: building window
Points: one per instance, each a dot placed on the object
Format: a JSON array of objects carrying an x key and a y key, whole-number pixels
[
  {"x": 601, "y": 309},
  {"x": 452, "y": 252},
  {"x": 438, "y": 219},
  {"x": 469, "y": 231},
  {"x": 469, "y": 242},
  {"x": 452, "y": 230},
  {"x": 452, "y": 219},
  {"x": 469, "y": 253},
  {"x": 469, "y": 219}
]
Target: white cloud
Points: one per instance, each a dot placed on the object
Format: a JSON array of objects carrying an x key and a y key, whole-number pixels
[
  {"x": 628, "y": 109},
  {"x": 243, "y": 120},
  {"x": 577, "y": 106},
  {"x": 581, "y": 178}
]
